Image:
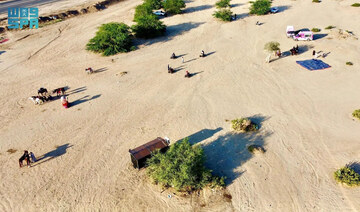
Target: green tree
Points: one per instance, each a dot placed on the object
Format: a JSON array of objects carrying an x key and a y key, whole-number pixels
[
  {"x": 174, "y": 6},
  {"x": 181, "y": 167},
  {"x": 148, "y": 26},
  {"x": 272, "y": 46},
  {"x": 223, "y": 14},
  {"x": 260, "y": 7},
  {"x": 222, "y": 3},
  {"x": 154, "y": 4},
  {"x": 111, "y": 39},
  {"x": 348, "y": 176},
  {"x": 142, "y": 10}
]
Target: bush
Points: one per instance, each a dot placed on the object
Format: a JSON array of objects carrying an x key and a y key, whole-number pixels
[
  {"x": 148, "y": 26},
  {"x": 255, "y": 148},
  {"x": 174, "y": 6},
  {"x": 260, "y": 7},
  {"x": 316, "y": 1},
  {"x": 111, "y": 39},
  {"x": 223, "y": 14},
  {"x": 272, "y": 46},
  {"x": 142, "y": 10},
  {"x": 348, "y": 176},
  {"x": 330, "y": 27},
  {"x": 182, "y": 167},
  {"x": 153, "y": 4},
  {"x": 315, "y": 29},
  {"x": 356, "y": 5},
  {"x": 349, "y": 63},
  {"x": 223, "y": 3},
  {"x": 356, "y": 114},
  {"x": 243, "y": 125}
]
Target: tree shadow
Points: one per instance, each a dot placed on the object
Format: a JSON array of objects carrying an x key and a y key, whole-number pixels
[
  {"x": 319, "y": 36},
  {"x": 59, "y": 151},
  {"x": 101, "y": 70},
  {"x": 201, "y": 135},
  {"x": 197, "y": 8},
  {"x": 83, "y": 99},
  {"x": 228, "y": 152},
  {"x": 171, "y": 32},
  {"x": 77, "y": 90},
  {"x": 235, "y": 5},
  {"x": 354, "y": 165},
  {"x": 240, "y": 16}
]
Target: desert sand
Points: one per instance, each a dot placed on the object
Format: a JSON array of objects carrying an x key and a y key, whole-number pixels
[{"x": 305, "y": 116}]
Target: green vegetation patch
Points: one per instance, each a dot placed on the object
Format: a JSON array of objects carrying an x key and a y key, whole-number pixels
[
  {"x": 356, "y": 5},
  {"x": 243, "y": 125},
  {"x": 316, "y": 1},
  {"x": 222, "y": 3},
  {"x": 330, "y": 27},
  {"x": 315, "y": 29},
  {"x": 272, "y": 46},
  {"x": 260, "y": 7},
  {"x": 148, "y": 26},
  {"x": 111, "y": 38},
  {"x": 174, "y": 6},
  {"x": 348, "y": 176},
  {"x": 182, "y": 167},
  {"x": 223, "y": 14},
  {"x": 349, "y": 63},
  {"x": 356, "y": 114}
]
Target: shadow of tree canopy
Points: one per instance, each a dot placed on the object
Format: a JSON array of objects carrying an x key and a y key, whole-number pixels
[
  {"x": 197, "y": 8},
  {"x": 354, "y": 165},
  {"x": 171, "y": 32},
  {"x": 226, "y": 153}
]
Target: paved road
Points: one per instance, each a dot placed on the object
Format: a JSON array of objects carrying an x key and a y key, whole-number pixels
[{"x": 22, "y": 3}]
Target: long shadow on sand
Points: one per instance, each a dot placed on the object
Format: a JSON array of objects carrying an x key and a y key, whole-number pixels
[
  {"x": 83, "y": 99},
  {"x": 197, "y": 8},
  {"x": 59, "y": 151},
  {"x": 319, "y": 36},
  {"x": 77, "y": 90},
  {"x": 202, "y": 135},
  {"x": 171, "y": 32}
]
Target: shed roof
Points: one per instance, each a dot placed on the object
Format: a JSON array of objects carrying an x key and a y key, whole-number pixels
[{"x": 146, "y": 149}]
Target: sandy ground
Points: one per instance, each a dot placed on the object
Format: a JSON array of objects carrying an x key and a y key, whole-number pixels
[{"x": 305, "y": 117}]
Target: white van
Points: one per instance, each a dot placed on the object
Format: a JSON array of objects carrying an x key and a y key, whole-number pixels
[{"x": 303, "y": 35}]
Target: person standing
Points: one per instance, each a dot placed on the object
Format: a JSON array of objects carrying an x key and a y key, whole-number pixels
[{"x": 182, "y": 59}]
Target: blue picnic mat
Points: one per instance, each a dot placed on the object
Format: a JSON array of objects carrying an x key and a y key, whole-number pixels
[{"x": 313, "y": 64}]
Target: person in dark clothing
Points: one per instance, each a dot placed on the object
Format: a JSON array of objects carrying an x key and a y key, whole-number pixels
[{"x": 314, "y": 53}]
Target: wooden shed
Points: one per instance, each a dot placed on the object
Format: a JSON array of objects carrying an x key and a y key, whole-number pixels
[{"x": 140, "y": 154}]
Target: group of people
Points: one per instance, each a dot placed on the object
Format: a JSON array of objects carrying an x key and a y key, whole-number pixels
[
  {"x": 173, "y": 56},
  {"x": 28, "y": 157},
  {"x": 294, "y": 50}
]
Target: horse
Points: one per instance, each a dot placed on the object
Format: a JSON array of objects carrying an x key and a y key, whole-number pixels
[
  {"x": 38, "y": 100},
  {"x": 25, "y": 157},
  {"x": 42, "y": 91},
  {"x": 59, "y": 91}
]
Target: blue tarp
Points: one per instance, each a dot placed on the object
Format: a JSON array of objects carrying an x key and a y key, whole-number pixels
[{"x": 313, "y": 64}]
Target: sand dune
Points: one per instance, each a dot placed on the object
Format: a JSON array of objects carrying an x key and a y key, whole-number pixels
[{"x": 306, "y": 124}]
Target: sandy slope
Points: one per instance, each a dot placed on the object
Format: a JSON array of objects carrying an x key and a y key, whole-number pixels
[{"x": 306, "y": 123}]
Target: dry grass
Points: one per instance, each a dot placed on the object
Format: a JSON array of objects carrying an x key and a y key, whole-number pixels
[{"x": 11, "y": 151}]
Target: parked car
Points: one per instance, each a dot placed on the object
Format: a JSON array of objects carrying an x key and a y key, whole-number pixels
[
  {"x": 160, "y": 13},
  {"x": 303, "y": 35},
  {"x": 274, "y": 10},
  {"x": 290, "y": 32}
]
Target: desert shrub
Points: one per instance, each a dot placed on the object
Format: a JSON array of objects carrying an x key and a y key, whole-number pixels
[
  {"x": 356, "y": 5},
  {"x": 330, "y": 27},
  {"x": 272, "y": 46},
  {"x": 111, "y": 39},
  {"x": 148, "y": 26},
  {"x": 349, "y": 63},
  {"x": 356, "y": 114},
  {"x": 348, "y": 176},
  {"x": 174, "y": 6},
  {"x": 182, "y": 167},
  {"x": 153, "y": 4},
  {"x": 255, "y": 148},
  {"x": 142, "y": 10},
  {"x": 260, "y": 7},
  {"x": 315, "y": 29},
  {"x": 316, "y": 1},
  {"x": 222, "y": 3},
  {"x": 243, "y": 125},
  {"x": 223, "y": 14}
]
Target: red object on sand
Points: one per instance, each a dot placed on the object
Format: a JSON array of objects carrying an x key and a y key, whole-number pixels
[
  {"x": 3, "y": 41},
  {"x": 65, "y": 104}
]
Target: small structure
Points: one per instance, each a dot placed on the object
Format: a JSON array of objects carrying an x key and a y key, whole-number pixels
[{"x": 140, "y": 154}]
